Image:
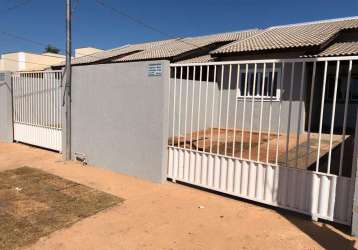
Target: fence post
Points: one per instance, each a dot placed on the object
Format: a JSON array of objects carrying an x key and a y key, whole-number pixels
[
  {"x": 354, "y": 174},
  {"x": 6, "y": 115}
]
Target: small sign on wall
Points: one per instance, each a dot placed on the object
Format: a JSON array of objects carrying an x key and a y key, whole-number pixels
[
  {"x": 2, "y": 77},
  {"x": 155, "y": 69}
]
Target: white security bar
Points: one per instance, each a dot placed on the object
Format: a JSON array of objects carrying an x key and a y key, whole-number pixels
[
  {"x": 271, "y": 131},
  {"x": 37, "y": 108},
  {"x": 347, "y": 93},
  {"x": 321, "y": 114},
  {"x": 278, "y": 112},
  {"x": 310, "y": 112}
]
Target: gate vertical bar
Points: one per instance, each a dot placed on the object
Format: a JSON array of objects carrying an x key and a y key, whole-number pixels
[
  {"x": 252, "y": 109},
  {"x": 243, "y": 112},
  {"x": 235, "y": 112},
  {"x": 261, "y": 110},
  {"x": 279, "y": 114},
  {"x": 270, "y": 113},
  {"x": 212, "y": 113},
  {"x": 227, "y": 109},
  {"x": 220, "y": 108},
  {"x": 300, "y": 113},
  {"x": 345, "y": 117},
  {"x": 332, "y": 118},
  {"x": 289, "y": 113},
  {"x": 308, "y": 144},
  {"x": 321, "y": 114}
]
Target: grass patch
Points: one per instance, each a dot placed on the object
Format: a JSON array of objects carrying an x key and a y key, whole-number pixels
[{"x": 34, "y": 203}]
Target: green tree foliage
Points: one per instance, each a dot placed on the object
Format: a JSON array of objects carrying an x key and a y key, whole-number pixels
[{"x": 51, "y": 49}]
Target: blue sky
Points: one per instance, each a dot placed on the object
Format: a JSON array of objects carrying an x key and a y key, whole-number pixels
[{"x": 43, "y": 20}]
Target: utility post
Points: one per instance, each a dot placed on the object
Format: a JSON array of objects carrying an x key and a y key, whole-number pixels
[{"x": 67, "y": 90}]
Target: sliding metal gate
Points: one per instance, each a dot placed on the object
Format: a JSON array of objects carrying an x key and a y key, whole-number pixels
[
  {"x": 37, "y": 108},
  {"x": 279, "y": 132}
]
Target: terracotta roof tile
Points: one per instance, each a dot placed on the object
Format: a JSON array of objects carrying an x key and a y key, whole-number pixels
[
  {"x": 116, "y": 52},
  {"x": 180, "y": 46},
  {"x": 291, "y": 36},
  {"x": 198, "y": 59},
  {"x": 339, "y": 49}
]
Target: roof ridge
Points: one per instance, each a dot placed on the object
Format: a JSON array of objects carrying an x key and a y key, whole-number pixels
[
  {"x": 229, "y": 32},
  {"x": 116, "y": 48},
  {"x": 145, "y": 42},
  {"x": 313, "y": 22}
]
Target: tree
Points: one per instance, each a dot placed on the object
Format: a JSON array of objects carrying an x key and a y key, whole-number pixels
[{"x": 51, "y": 49}]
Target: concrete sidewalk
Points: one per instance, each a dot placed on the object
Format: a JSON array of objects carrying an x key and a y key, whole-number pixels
[{"x": 171, "y": 216}]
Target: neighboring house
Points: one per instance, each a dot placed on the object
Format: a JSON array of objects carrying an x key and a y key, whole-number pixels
[{"x": 26, "y": 61}]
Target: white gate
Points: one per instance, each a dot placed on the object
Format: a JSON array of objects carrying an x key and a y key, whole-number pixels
[
  {"x": 272, "y": 131},
  {"x": 37, "y": 108}
]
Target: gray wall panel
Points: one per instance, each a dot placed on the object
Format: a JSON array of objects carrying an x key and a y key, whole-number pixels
[{"x": 119, "y": 117}]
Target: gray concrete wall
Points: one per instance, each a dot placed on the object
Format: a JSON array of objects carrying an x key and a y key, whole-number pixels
[
  {"x": 119, "y": 118},
  {"x": 286, "y": 121},
  {"x": 227, "y": 96},
  {"x": 187, "y": 105},
  {"x": 6, "y": 121}
]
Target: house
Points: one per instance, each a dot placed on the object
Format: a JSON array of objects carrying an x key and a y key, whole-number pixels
[
  {"x": 267, "y": 115},
  {"x": 326, "y": 38},
  {"x": 265, "y": 90},
  {"x": 27, "y": 61},
  {"x": 271, "y": 118}
]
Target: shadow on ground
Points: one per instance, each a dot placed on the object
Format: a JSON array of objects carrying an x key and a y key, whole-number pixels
[{"x": 328, "y": 235}]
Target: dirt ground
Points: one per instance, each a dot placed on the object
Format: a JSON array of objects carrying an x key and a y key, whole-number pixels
[
  {"x": 34, "y": 203},
  {"x": 265, "y": 148},
  {"x": 171, "y": 216}
]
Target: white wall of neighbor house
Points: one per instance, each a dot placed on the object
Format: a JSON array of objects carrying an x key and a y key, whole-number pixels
[
  {"x": 25, "y": 61},
  {"x": 12, "y": 62},
  {"x": 43, "y": 60}
]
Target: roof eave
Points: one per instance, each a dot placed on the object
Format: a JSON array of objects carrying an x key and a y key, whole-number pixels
[{"x": 263, "y": 51}]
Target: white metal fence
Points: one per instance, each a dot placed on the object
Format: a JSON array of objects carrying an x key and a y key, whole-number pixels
[
  {"x": 37, "y": 108},
  {"x": 273, "y": 131}
]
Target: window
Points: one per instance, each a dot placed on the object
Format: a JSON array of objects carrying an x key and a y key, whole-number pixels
[{"x": 266, "y": 90}]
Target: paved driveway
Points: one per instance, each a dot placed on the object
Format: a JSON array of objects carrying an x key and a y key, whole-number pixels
[{"x": 171, "y": 216}]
